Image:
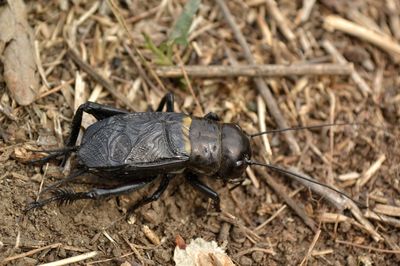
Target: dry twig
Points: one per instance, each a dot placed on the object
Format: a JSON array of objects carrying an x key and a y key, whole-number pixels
[
  {"x": 385, "y": 42},
  {"x": 213, "y": 71},
  {"x": 260, "y": 83}
]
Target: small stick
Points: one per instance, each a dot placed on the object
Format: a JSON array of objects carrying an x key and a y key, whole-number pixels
[
  {"x": 316, "y": 253},
  {"x": 58, "y": 88},
  {"x": 188, "y": 83},
  {"x": 31, "y": 252},
  {"x": 358, "y": 80},
  {"x": 305, "y": 12},
  {"x": 394, "y": 21},
  {"x": 387, "y": 209},
  {"x": 382, "y": 218},
  {"x": 263, "y": 127},
  {"x": 385, "y": 42},
  {"x": 140, "y": 69},
  {"x": 270, "y": 218},
  {"x": 72, "y": 259},
  {"x": 253, "y": 177},
  {"x": 250, "y": 250},
  {"x": 379, "y": 250},
  {"x": 98, "y": 78},
  {"x": 143, "y": 15},
  {"x": 260, "y": 83},
  {"x": 7, "y": 113},
  {"x": 338, "y": 201},
  {"x": 371, "y": 171},
  {"x": 299, "y": 210},
  {"x": 122, "y": 22},
  {"x": 215, "y": 71},
  {"x": 310, "y": 249},
  {"x": 280, "y": 19},
  {"x": 151, "y": 235}
]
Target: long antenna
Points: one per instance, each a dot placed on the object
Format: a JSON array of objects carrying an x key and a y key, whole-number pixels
[
  {"x": 284, "y": 171},
  {"x": 302, "y": 127}
]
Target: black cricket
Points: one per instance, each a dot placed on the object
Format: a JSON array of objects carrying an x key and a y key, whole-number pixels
[{"x": 138, "y": 148}]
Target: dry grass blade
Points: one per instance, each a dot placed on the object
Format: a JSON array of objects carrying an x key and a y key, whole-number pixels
[{"x": 71, "y": 260}]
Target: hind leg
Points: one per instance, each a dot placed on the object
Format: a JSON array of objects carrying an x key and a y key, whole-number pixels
[
  {"x": 99, "y": 111},
  {"x": 168, "y": 100},
  {"x": 66, "y": 196}
]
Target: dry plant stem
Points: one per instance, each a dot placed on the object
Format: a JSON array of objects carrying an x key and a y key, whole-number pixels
[
  {"x": 281, "y": 21},
  {"x": 122, "y": 22},
  {"x": 337, "y": 200},
  {"x": 387, "y": 209},
  {"x": 310, "y": 249},
  {"x": 385, "y": 42},
  {"x": 58, "y": 88},
  {"x": 140, "y": 69},
  {"x": 255, "y": 70},
  {"x": 7, "y": 113},
  {"x": 99, "y": 79},
  {"x": 358, "y": 80},
  {"x": 371, "y": 171},
  {"x": 250, "y": 250},
  {"x": 260, "y": 83},
  {"x": 263, "y": 127},
  {"x": 134, "y": 249},
  {"x": 393, "y": 10},
  {"x": 382, "y": 218},
  {"x": 188, "y": 83},
  {"x": 31, "y": 252},
  {"x": 379, "y": 250},
  {"x": 72, "y": 259},
  {"x": 229, "y": 218},
  {"x": 305, "y": 11},
  {"x": 299, "y": 210}
]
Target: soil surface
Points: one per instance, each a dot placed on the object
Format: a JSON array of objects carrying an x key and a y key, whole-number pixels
[{"x": 86, "y": 226}]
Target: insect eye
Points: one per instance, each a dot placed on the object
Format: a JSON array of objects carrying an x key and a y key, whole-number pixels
[{"x": 239, "y": 163}]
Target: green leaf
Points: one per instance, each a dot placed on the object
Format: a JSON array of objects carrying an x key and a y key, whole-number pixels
[
  {"x": 163, "y": 53},
  {"x": 180, "y": 32}
]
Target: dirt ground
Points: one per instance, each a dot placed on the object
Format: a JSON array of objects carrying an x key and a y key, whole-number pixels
[{"x": 91, "y": 28}]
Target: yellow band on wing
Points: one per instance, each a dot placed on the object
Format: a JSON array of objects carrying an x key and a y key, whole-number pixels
[{"x": 186, "y": 123}]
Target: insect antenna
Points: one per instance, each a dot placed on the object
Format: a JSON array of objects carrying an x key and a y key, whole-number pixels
[
  {"x": 287, "y": 172},
  {"x": 272, "y": 131}
]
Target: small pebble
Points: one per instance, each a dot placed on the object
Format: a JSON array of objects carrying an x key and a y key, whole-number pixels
[
  {"x": 61, "y": 253},
  {"x": 238, "y": 235},
  {"x": 152, "y": 217},
  {"x": 246, "y": 261},
  {"x": 257, "y": 256}
]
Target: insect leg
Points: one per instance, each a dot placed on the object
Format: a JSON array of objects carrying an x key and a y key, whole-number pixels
[
  {"x": 66, "y": 196},
  {"x": 169, "y": 100},
  {"x": 212, "y": 116},
  {"x": 155, "y": 196},
  {"x": 203, "y": 188},
  {"x": 99, "y": 111},
  {"x": 65, "y": 180}
]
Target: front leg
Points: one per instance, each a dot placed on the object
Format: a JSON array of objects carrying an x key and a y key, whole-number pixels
[
  {"x": 203, "y": 188},
  {"x": 155, "y": 196}
]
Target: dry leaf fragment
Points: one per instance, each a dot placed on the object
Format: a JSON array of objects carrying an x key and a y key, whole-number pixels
[
  {"x": 201, "y": 253},
  {"x": 18, "y": 57}
]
